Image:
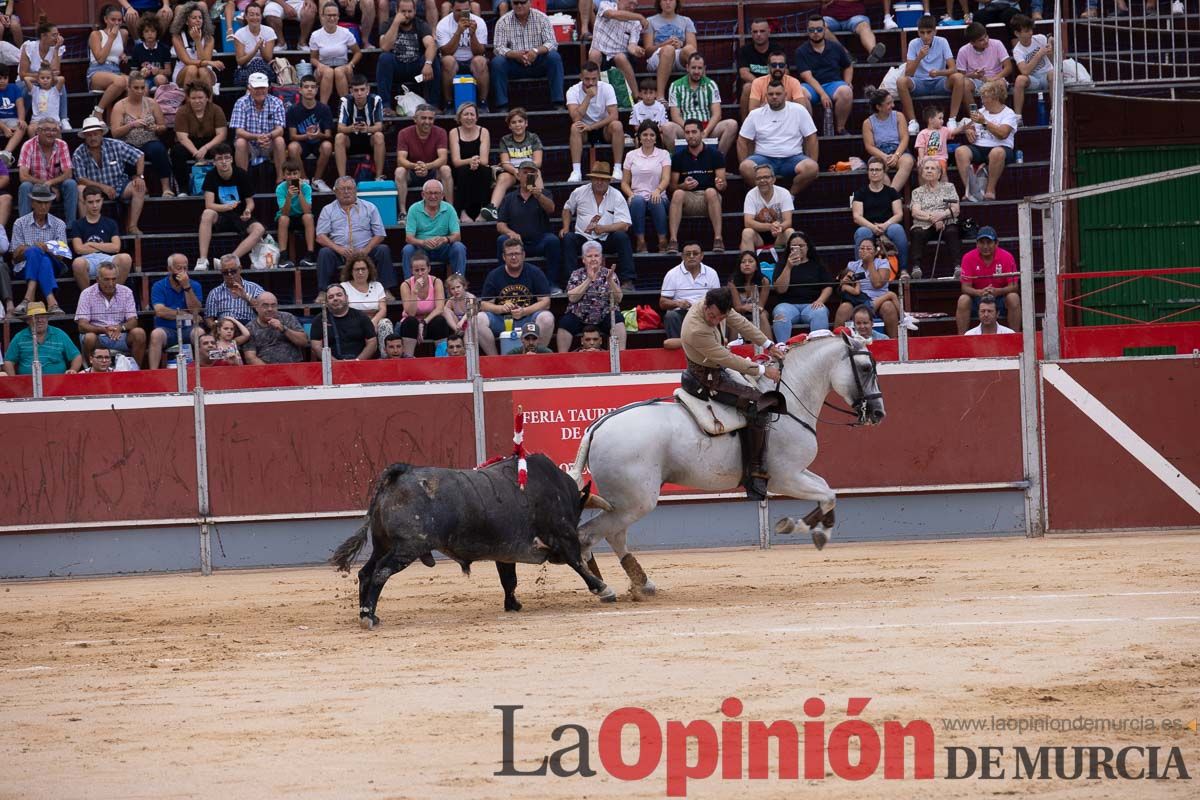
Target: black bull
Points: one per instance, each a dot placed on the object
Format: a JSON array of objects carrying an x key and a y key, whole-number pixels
[{"x": 470, "y": 515}]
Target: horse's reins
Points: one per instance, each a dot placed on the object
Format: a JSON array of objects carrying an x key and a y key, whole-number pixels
[{"x": 863, "y": 397}]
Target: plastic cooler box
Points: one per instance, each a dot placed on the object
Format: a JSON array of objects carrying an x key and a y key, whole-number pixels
[
  {"x": 563, "y": 26},
  {"x": 908, "y": 14},
  {"x": 464, "y": 90},
  {"x": 382, "y": 195}
]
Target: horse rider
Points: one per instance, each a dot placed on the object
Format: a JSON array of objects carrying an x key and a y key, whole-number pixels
[{"x": 706, "y": 329}]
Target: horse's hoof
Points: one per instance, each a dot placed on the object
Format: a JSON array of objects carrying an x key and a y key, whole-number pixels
[
  {"x": 608, "y": 595},
  {"x": 368, "y": 623},
  {"x": 785, "y": 526},
  {"x": 649, "y": 588},
  {"x": 820, "y": 539}
]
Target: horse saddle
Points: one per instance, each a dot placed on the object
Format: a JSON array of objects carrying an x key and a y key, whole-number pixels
[{"x": 715, "y": 419}]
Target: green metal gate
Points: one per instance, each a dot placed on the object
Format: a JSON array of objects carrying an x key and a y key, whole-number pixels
[{"x": 1149, "y": 227}]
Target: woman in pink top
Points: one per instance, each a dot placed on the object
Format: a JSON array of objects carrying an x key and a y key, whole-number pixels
[
  {"x": 424, "y": 299},
  {"x": 647, "y": 172}
]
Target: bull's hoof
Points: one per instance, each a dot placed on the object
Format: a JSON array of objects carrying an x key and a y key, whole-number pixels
[
  {"x": 785, "y": 526},
  {"x": 820, "y": 539},
  {"x": 512, "y": 605},
  {"x": 649, "y": 588},
  {"x": 608, "y": 595},
  {"x": 368, "y": 622}
]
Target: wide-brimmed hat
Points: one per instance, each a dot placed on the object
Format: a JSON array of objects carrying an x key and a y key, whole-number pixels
[
  {"x": 36, "y": 309},
  {"x": 601, "y": 169},
  {"x": 530, "y": 329},
  {"x": 42, "y": 193},
  {"x": 93, "y": 124}
]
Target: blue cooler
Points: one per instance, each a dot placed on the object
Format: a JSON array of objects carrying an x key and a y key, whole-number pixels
[
  {"x": 464, "y": 90},
  {"x": 222, "y": 44},
  {"x": 381, "y": 194},
  {"x": 908, "y": 14}
]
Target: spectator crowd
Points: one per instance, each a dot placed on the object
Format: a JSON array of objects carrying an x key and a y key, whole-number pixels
[{"x": 155, "y": 130}]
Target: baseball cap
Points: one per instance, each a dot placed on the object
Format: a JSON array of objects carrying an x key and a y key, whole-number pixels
[
  {"x": 986, "y": 232},
  {"x": 526, "y": 164},
  {"x": 529, "y": 329},
  {"x": 258, "y": 81}
]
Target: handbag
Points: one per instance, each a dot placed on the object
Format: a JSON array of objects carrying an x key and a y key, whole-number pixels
[
  {"x": 630, "y": 316},
  {"x": 285, "y": 72},
  {"x": 648, "y": 319},
  {"x": 265, "y": 254},
  {"x": 169, "y": 98}
]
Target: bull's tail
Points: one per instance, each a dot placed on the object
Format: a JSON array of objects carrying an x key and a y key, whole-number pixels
[{"x": 348, "y": 550}]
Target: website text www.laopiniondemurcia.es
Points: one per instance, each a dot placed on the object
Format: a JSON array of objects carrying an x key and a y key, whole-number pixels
[{"x": 694, "y": 750}]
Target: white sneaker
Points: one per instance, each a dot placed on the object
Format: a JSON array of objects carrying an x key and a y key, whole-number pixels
[
  {"x": 302, "y": 47},
  {"x": 889, "y": 24},
  {"x": 201, "y": 264},
  {"x": 575, "y": 177},
  {"x": 913, "y": 127},
  {"x": 1177, "y": 8},
  {"x": 909, "y": 322},
  {"x": 321, "y": 186},
  {"x": 617, "y": 174}
]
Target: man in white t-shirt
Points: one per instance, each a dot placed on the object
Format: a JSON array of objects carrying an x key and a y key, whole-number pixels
[
  {"x": 461, "y": 39},
  {"x": 767, "y": 212},
  {"x": 782, "y": 136},
  {"x": 593, "y": 109},
  {"x": 989, "y": 319},
  {"x": 685, "y": 284}
]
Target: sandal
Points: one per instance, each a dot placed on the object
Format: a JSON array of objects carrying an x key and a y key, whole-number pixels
[
  {"x": 133, "y": 230},
  {"x": 672, "y": 247},
  {"x": 55, "y": 309},
  {"x": 168, "y": 193},
  {"x": 718, "y": 244}
]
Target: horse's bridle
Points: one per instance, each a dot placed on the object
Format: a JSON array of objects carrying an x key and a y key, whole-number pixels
[{"x": 860, "y": 405}]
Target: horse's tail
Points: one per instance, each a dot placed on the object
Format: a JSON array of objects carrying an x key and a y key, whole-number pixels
[
  {"x": 349, "y": 549},
  {"x": 581, "y": 456}
]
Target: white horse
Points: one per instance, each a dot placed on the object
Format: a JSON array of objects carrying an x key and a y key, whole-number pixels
[{"x": 634, "y": 450}]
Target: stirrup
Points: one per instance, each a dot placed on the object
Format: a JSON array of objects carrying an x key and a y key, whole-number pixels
[{"x": 756, "y": 488}]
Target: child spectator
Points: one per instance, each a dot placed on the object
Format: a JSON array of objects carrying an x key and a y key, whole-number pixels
[
  {"x": 751, "y": 288},
  {"x": 649, "y": 108},
  {"x": 929, "y": 69},
  {"x": 519, "y": 144},
  {"x": 229, "y": 336},
  {"x": 1034, "y": 55},
  {"x": 151, "y": 55},
  {"x": 293, "y": 198},
  {"x": 933, "y": 139},
  {"x": 310, "y": 131},
  {"x": 982, "y": 59},
  {"x": 12, "y": 114}
]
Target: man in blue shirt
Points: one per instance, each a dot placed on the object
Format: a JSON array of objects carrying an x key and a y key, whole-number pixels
[{"x": 175, "y": 297}]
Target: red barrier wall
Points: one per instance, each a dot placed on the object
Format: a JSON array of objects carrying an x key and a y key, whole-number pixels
[
  {"x": 98, "y": 465},
  {"x": 1095, "y": 483}
]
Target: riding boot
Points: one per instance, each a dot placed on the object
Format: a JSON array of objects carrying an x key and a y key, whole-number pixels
[{"x": 757, "y": 476}]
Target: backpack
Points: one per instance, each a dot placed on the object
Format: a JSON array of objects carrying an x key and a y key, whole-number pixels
[
  {"x": 288, "y": 95},
  {"x": 169, "y": 98},
  {"x": 285, "y": 72}
]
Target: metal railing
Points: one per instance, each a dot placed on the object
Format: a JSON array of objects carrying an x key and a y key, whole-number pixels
[{"x": 1159, "y": 43}]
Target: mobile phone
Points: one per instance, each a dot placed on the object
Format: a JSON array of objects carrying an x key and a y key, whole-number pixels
[
  {"x": 530, "y": 180},
  {"x": 972, "y": 108},
  {"x": 295, "y": 182},
  {"x": 465, "y": 14}
]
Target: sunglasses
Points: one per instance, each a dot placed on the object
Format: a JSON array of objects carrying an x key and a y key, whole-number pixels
[
  {"x": 230, "y": 271},
  {"x": 816, "y": 30}
]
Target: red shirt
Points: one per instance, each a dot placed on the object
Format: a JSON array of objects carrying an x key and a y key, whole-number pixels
[
  {"x": 419, "y": 149},
  {"x": 979, "y": 273}
]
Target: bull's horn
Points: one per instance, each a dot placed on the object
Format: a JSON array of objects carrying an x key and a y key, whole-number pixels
[
  {"x": 538, "y": 544},
  {"x": 596, "y": 501}
]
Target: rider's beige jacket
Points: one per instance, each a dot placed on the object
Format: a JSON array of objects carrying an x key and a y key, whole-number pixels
[{"x": 705, "y": 344}]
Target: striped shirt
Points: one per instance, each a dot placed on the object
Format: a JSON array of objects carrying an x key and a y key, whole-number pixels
[
  {"x": 97, "y": 309},
  {"x": 694, "y": 102},
  {"x": 39, "y": 166},
  {"x": 369, "y": 114},
  {"x": 116, "y": 157},
  {"x": 510, "y": 34},
  {"x": 248, "y": 117},
  {"x": 351, "y": 226},
  {"x": 222, "y": 303},
  {"x": 612, "y": 36}
]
